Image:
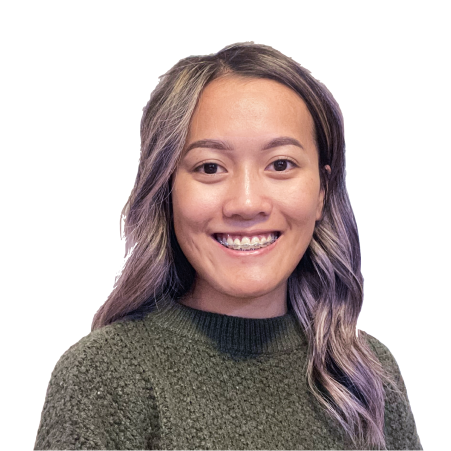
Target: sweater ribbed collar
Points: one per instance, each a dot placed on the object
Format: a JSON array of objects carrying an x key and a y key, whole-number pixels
[{"x": 231, "y": 333}]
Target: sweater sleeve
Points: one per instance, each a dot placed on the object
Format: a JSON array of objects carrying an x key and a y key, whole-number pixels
[
  {"x": 97, "y": 398},
  {"x": 400, "y": 427}
]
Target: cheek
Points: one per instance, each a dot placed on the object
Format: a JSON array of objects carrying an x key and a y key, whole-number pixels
[
  {"x": 193, "y": 208},
  {"x": 300, "y": 205}
]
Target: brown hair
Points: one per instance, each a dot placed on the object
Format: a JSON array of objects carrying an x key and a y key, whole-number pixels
[{"x": 326, "y": 289}]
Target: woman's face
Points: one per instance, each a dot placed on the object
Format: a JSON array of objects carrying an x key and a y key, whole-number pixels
[{"x": 246, "y": 194}]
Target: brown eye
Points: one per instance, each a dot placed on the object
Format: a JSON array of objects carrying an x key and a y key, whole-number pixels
[
  {"x": 280, "y": 165},
  {"x": 210, "y": 168}
]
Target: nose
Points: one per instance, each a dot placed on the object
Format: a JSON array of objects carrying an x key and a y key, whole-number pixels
[{"x": 247, "y": 196}]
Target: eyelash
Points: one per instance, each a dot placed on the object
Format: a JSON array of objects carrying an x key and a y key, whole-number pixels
[{"x": 198, "y": 168}]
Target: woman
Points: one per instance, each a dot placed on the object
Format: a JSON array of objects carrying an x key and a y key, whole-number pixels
[{"x": 233, "y": 323}]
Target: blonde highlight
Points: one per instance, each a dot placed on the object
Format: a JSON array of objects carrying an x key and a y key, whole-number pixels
[{"x": 325, "y": 290}]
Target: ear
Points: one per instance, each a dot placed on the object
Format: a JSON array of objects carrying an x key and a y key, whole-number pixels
[{"x": 326, "y": 173}]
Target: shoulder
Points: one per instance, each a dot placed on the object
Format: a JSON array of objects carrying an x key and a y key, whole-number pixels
[
  {"x": 378, "y": 347},
  {"x": 96, "y": 385},
  {"x": 384, "y": 354},
  {"x": 394, "y": 384},
  {"x": 400, "y": 426},
  {"x": 102, "y": 353},
  {"x": 100, "y": 341}
]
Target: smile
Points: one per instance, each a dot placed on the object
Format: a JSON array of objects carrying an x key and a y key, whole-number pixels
[
  {"x": 246, "y": 243},
  {"x": 246, "y": 247}
]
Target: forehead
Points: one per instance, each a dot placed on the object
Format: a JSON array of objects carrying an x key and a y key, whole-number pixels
[{"x": 249, "y": 105}]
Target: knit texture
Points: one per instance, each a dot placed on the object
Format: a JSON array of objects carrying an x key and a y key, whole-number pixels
[{"x": 182, "y": 378}]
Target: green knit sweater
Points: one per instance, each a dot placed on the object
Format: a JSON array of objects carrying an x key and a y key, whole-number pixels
[{"x": 181, "y": 378}]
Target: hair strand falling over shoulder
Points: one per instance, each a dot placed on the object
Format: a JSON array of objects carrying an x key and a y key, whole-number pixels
[{"x": 325, "y": 290}]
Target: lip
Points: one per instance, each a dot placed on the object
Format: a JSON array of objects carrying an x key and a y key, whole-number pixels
[{"x": 254, "y": 253}]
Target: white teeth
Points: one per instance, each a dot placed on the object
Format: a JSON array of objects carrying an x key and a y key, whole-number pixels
[{"x": 248, "y": 243}]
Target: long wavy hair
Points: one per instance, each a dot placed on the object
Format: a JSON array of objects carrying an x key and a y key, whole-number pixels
[{"x": 325, "y": 290}]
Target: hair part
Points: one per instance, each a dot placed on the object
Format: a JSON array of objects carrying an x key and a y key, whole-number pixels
[{"x": 325, "y": 290}]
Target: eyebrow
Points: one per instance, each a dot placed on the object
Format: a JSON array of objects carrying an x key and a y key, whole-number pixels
[{"x": 221, "y": 145}]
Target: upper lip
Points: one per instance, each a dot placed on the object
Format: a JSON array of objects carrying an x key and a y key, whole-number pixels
[{"x": 248, "y": 232}]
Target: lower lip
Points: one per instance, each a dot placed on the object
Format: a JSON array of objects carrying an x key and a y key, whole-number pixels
[{"x": 254, "y": 253}]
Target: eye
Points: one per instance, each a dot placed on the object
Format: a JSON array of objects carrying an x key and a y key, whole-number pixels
[
  {"x": 209, "y": 167},
  {"x": 277, "y": 164}
]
